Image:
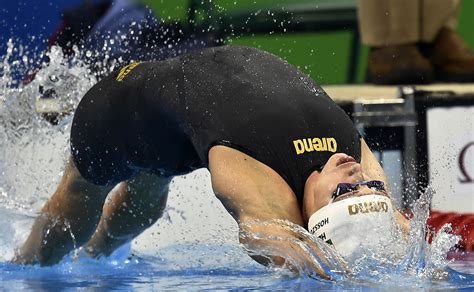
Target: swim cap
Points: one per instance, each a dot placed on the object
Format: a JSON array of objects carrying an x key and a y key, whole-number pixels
[{"x": 355, "y": 225}]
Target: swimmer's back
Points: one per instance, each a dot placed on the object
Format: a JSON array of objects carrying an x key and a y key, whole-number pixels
[
  {"x": 240, "y": 97},
  {"x": 257, "y": 103}
]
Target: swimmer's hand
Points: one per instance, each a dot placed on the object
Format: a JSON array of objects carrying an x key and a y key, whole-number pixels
[
  {"x": 402, "y": 222},
  {"x": 23, "y": 258},
  {"x": 84, "y": 252},
  {"x": 45, "y": 245},
  {"x": 285, "y": 244}
]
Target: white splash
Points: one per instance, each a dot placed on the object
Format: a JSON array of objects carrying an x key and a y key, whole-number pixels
[{"x": 29, "y": 146}]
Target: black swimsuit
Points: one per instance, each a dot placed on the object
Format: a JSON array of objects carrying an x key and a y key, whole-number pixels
[{"x": 165, "y": 116}]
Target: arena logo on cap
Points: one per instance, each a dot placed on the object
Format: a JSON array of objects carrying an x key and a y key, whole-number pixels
[
  {"x": 315, "y": 144},
  {"x": 126, "y": 70},
  {"x": 367, "y": 207}
]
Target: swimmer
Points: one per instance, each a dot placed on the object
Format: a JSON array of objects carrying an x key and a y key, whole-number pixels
[{"x": 275, "y": 144}]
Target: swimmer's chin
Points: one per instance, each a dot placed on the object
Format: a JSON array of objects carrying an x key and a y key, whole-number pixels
[{"x": 344, "y": 161}]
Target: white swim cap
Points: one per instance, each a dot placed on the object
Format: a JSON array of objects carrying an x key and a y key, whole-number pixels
[{"x": 355, "y": 225}]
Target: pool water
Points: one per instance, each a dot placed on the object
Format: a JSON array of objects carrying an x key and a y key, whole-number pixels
[
  {"x": 199, "y": 266},
  {"x": 195, "y": 244}
]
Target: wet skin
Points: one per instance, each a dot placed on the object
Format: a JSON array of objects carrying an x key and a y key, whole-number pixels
[{"x": 248, "y": 189}]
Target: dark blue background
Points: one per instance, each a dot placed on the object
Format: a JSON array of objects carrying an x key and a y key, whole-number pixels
[
  {"x": 23, "y": 19},
  {"x": 29, "y": 23}
]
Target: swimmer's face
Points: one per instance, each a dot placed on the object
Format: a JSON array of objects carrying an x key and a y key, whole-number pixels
[{"x": 340, "y": 168}]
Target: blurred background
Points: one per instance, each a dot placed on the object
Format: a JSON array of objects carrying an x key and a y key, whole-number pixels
[{"x": 320, "y": 37}]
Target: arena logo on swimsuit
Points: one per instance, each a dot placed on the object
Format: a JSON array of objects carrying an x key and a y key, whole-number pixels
[
  {"x": 125, "y": 71},
  {"x": 315, "y": 144}
]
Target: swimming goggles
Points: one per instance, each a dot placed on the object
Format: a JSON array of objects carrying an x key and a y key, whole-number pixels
[{"x": 344, "y": 188}]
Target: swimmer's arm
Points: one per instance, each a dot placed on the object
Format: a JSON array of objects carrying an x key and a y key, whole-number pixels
[
  {"x": 254, "y": 195},
  {"x": 66, "y": 221},
  {"x": 374, "y": 170},
  {"x": 131, "y": 207},
  {"x": 281, "y": 243}
]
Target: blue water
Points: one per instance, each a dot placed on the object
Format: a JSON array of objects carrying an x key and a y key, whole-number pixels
[{"x": 123, "y": 271}]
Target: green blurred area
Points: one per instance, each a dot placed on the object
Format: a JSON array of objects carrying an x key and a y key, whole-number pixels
[{"x": 324, "y": 56}]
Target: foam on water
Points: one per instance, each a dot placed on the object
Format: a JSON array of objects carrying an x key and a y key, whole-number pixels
[{"x": 195, "y": 244}]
